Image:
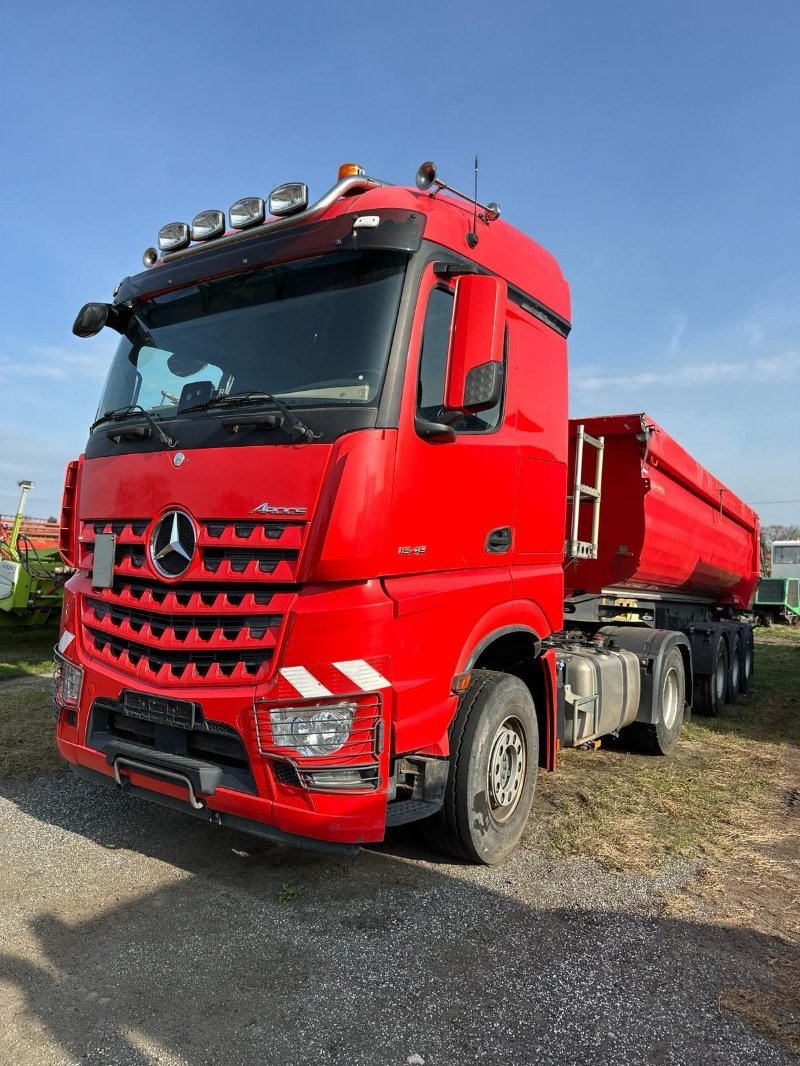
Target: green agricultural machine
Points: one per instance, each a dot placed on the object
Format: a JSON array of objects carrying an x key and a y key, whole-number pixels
[
  {"x": 32, "y": 574},
  {"x": 778, "y": 596}
]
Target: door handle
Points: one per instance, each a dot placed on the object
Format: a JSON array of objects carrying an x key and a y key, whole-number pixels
[{"x": 499, "y": 540}]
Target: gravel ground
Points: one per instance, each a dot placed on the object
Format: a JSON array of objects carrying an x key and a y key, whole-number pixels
[{"x": 133, "y": 935}]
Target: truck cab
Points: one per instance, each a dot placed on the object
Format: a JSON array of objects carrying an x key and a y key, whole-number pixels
[{"x": 321, "y": 508}]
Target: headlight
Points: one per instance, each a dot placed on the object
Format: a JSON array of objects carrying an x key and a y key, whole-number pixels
[
  {"x": 312, "y": 730},
  {"x": 68, "y": 681}
]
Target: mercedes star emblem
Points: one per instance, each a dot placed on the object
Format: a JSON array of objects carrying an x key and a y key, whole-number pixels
[{"x": 173, "y": 543}]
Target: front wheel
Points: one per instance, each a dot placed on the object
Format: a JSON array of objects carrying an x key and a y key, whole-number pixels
[{"x": 494, "y": 755}]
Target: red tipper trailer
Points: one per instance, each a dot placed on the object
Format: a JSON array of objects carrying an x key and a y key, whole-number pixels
[
  {"x": 666, "y": 523},
  {"x": 319, "y": 531}
]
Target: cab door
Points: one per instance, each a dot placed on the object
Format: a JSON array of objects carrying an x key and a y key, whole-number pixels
[{"x": 453, "y": 507}]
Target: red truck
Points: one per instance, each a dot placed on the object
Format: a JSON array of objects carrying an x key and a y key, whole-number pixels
[{"x": 318, "y": 529}]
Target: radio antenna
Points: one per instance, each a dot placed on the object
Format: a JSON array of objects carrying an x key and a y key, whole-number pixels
[{"x": 472, "y": 237}]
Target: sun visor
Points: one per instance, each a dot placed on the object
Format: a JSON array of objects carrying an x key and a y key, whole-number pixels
[{"x": 392, "y": 229}]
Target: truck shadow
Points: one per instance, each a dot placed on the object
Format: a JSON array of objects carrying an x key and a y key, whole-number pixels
[{"x": 230, "y": 950}]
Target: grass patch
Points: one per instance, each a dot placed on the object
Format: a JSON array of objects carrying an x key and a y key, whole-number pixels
[
  {"x": 706, "y": 800},
  {"x": 27, "y": 742},
  {"x": 26, "y": 651},
  {"x": 27, "y": 736},
  {"x": 778, "y": 634}
]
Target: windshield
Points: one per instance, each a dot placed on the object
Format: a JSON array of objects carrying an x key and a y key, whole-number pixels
[{"x": 314, "y": 333}]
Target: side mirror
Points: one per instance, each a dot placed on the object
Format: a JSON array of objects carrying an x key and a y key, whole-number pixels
[
  {"x": 92, "y": 317},
  {"x": 475, "y": 358}
]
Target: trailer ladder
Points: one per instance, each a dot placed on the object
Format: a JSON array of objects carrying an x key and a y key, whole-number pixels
[{"x": 585, "y": 549}]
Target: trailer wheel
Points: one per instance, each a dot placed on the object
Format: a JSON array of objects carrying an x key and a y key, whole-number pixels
[
  {"x": 494, "y": 755},
  {"x": 661, "y": 737},
  {"x": 734, "y": 670},
  {"x": 746, "y": 668},
  {"x": 710, "y": 689}
]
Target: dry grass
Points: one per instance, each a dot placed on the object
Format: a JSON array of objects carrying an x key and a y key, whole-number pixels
[
  {"x": 776, "y": 1013},
  {"x": 730, "y": 796},
  {"x": 707, "y": 800}
]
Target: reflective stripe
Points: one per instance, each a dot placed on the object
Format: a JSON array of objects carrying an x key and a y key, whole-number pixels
[
  {"x": 362, "y": 674},
  {"x": 305, "y": 683}
]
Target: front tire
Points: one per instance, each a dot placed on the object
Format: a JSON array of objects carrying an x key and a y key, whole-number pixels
[{"x": 494, "y": 755}]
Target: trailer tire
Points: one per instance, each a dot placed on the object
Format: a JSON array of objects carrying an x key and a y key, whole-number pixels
[
  {"x": 494, "y": 755},
  {"x": 734, "y": 670},
  {"x": 746, "y": 669},
  {"x": 710, "y": 690},
  {"x": 661, "y": 737}
]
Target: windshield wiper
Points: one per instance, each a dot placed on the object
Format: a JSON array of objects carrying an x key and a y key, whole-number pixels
[
  {"x": 122, "y": 413},
  {"x": 243, "y": 399}
]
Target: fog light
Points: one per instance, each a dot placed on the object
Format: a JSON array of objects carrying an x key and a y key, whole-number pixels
[
  {"x": 68, "y": 682},
  {"x": 312, "y": 730},
  {"x": 173, "y": 236},
  {"x": 248, "y": 211},
  {"x": 208, "y": 224},
  {"x": 287, "y": 199},
  {"x": 344, "y": 778}
]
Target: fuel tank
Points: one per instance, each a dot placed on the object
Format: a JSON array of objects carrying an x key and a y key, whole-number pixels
[{"x": 666, "y": 524}]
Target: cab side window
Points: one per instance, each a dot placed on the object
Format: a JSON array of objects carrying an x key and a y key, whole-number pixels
[{"x": 432, "y": 366}]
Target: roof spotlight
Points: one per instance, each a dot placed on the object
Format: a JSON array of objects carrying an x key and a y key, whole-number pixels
[
  {"x": 208, "y": 224},
  {"x": 287, "y": 199},
  {"x": 248, "y": 211},
  {"x": 150, "y": 257},
  {"x": 173, "y": 236}
]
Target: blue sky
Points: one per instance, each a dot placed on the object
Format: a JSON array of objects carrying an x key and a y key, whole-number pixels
[{"x": 653, "y": 148}]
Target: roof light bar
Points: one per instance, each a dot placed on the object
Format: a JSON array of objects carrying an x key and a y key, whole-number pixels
[
  {"x": 248, "y": 211},
  {"x": 286, "y": 199},
  {"x": 173, "y": 236},
  {"x": 208, "y": 224}
]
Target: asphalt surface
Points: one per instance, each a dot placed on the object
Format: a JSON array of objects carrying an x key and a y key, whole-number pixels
[{"x": 134, "y": 935}]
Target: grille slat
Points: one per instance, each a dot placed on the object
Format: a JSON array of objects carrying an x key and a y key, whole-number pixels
[
  {"x": 235, "y": 550},
  {"x": 160, "y": 663},
  {"x": 220, "y": 626}
]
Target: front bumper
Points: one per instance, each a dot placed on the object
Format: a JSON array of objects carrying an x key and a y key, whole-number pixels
[
  {"x": 223, "y": 818},
  {"x": 301, "y": 819}
]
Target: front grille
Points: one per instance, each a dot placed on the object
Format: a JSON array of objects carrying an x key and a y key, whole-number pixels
[
  {"x": 771, "y": 590},
  {"x": 219, "y": 626}
]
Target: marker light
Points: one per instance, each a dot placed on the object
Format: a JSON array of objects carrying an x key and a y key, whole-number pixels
[
  {"x": 351, "y": 170},
  {"x": 68, "y": 682},
  {"x": 208, "y": 224},
  {"x": 173, "y": 236},
  {"x": 287, "y": 199},
  {"x": 150, "y": 257},
  {"x": 248, "y": 211}
]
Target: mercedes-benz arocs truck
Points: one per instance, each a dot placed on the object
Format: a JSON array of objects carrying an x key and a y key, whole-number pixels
[{"x": 342, "y": 561}]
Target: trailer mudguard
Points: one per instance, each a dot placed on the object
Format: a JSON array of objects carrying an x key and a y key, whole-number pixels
[{"x": 651, "y": 647}]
